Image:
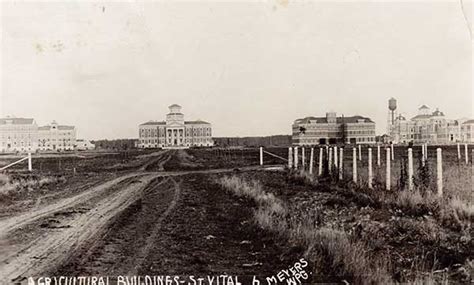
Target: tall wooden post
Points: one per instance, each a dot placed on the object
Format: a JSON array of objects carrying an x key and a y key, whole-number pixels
[
  {"x": 341, "y": 161},
  {"x": 388, "y": 177},
  {"x": 296, "y": 157},
  {"x": 459, "y": 152},
  {"x": 439, "y": 172},
  {"x": 320, "y": 166},
  {"x": 370, "y": 168},
  {"x": 290, "y": 157},
  {"x": 410, "y": 169},
  {"x": 330, "y": 160},
  {"x": 30, "y": 166},
  {"x": 261, "y": 155},
  {"x": 392, "y": 152},
  {"x": 303, "y": 158},
  {"x": 465, "y": 154},
  {"x": 378, "y": 155},
  {"x": 311, "y": 161},
  {"x": 423, "y": 154},
  {"x": 354, "y": 165}
]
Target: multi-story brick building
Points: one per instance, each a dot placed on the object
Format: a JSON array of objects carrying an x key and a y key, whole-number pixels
[
  {"x": 333, "y": 130},
  {"x": 175, "y": 132},
  {"x": 18, "y": 134},
  {"x": 56, "y": 137}
]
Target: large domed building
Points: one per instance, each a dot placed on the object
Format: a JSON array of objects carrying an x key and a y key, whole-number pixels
[
  {"x": 426, "y": 127},
  {"x": 175, "y": 132}
]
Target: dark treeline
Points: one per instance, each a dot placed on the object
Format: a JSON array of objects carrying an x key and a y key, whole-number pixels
[
  {"x": 279, "y": 140},
  {"x": 120, "y": 144}
]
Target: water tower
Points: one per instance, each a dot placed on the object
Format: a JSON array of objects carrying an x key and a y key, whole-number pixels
[{"x": 392, "y": 114}]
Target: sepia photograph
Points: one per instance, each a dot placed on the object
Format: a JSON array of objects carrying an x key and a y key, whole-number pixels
[{"x": 228, "y": 142}]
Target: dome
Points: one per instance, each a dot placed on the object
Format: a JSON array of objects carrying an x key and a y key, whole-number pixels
[{"x": 438, "y": 113}]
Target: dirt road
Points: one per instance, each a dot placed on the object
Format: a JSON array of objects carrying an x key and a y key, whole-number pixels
[
  {"x": 108, "y": 229},
  {"x": 52, "y": 234}
]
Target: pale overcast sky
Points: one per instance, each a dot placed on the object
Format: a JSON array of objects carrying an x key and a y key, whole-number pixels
[{"x": 248, "y": 68}]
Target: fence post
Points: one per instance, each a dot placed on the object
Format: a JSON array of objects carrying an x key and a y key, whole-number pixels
[
  {"x": 459, "y": 152},
  {"x": 439, "y": 172},
  {"x": 30, "y": 167},
  {"x": 472, "y": 169},
  {"x": 335, "y": 158},
  {"x": 378, "y": 155},
  {"x": 330, "y": 160},
  {"x": 388, "y": 175},
  {"x": 392, "y": 152},
  {"x": 296, "y": 157},
  {"x": 354, "y": 165},
  {"x": 303, "y": 158},
  {"x": 261, "y": 155},
  {"x": 410, "y": 169},
  {"x": 290, "y": 157},
  {"x": 320, "y": 166},
  {"x": 423, "y": 154},
  {"x": 465, "y": 152},
  {"x": 370, "y": 168},
  {"x": 360, "y": 153},
  {"x": 311, "y": 159},
  {"x": 341, "y": 159}
]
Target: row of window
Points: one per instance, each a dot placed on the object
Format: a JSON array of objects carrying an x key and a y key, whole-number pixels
[
  {"x": 189, "y": 132},
  {"x": 155, "y": 141}
]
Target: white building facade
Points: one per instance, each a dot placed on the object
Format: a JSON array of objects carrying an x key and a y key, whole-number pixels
[
  {"x": 426, "y": 127},
  {"x": 18, "y": 135},
  {"x": 175, "y": 132},
  {"x": 56, "y": 137},
  {"x": 467, "y": 131}
]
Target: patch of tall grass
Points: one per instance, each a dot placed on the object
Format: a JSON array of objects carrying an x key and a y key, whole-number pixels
[{"x": 332, "y": 251}]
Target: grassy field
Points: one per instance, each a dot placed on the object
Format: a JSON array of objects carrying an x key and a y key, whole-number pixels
[{"x": 252, "y": 222}]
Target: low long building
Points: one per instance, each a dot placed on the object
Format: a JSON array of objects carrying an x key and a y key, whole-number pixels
[
  {"x": 175, "y": 132},
  {"x": 333, "y": 130},
  {"x": 24, "y": 135}
]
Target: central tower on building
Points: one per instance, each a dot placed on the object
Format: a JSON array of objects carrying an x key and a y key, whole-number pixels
[{"x": 175, "y": 132}]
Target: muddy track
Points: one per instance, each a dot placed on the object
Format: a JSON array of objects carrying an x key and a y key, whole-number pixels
[
  {"x": 10, "y": 224},
  {"x": 54, "y": 246},
  {"x": 92, "y": 226},
  {"x": 127, "y": 242},
  {"x": 158, "y": 163}
]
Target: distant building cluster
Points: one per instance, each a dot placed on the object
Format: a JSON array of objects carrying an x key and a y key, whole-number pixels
[
  {"x": 23, "y": 134},
  {"x": 428, "y": 127},
  {"x": 175, "y": 132},
  {"x": 333, "y": 130}
]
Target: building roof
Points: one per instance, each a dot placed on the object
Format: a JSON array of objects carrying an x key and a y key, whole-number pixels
[
  {"x": 153, "y": 123},
  {"x": 418, "y": 117},
  {"x": 60, "y": 127},
  {"x": 196, "y": 122},
  {"x": 17, "y": 121},
  {"x": 468, "y": 122},
  {"x": 339, "y": 120},
  {"x": 423, "y": 107},
  {"x": 174, "y": 106}
]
